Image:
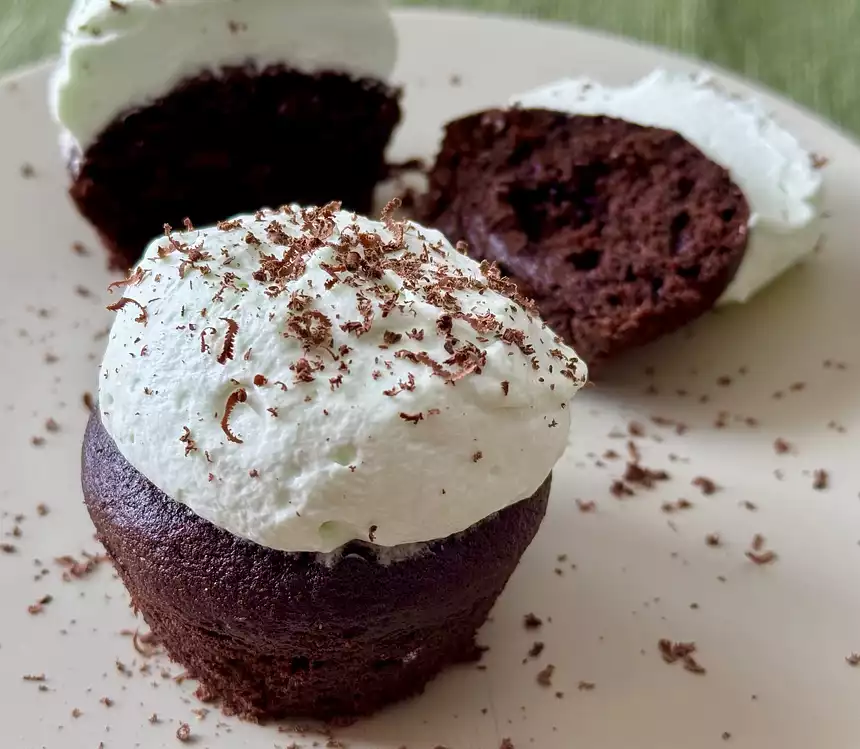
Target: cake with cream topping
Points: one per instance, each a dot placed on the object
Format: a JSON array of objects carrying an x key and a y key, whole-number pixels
[
  {"x": 214, "y": 107},
  {"x": 628, "y": 212},
  {"x": 321, "y": 446}
]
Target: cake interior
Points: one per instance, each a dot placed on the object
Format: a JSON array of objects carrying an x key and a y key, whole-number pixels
[
  {"x": 620, "y": 233},
  {"x": 218, "y": 145}
]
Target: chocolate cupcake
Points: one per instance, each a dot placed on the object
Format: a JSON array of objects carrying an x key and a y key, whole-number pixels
[
  {"x": 210, "y": 108},
  {"x": 620, "y": 233},
  {"x": 321, "y": 447}
]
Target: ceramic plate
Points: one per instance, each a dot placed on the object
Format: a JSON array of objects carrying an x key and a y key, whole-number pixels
[{"x": 608, "y": 577}]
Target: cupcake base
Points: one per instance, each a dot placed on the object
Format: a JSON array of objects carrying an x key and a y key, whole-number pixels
[
  {"x": 220, "y": 145},
  {"x": 273, "y": 634}
]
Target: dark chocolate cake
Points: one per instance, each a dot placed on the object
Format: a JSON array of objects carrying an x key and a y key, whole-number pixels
[
  {"x": 620, "y": 233},
  {"x": 273, "y": 634},
  {"x": 220, "y": 145}
]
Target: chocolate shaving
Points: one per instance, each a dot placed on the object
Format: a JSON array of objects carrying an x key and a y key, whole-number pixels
[
  {"x": 505, "y": 386},
  {"x": 204, "y": 347},
  {"x": 133, "y": 280},
  {"x": 188, "y": 441},
  {"x": 762, "y": 558},
  {"x": 236, "y": 397},
  {"x": 121, "y": 303},
  {"x": 683, "y": 651},
  {"x": 228, "y": 349},
  {"x": 312, "y": 328}
]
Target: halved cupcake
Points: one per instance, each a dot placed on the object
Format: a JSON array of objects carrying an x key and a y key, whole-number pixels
[
  {"x": 626, "y": 213},
  {"x": 210, "y": 108},
  {"x": 321, "y": 447}
]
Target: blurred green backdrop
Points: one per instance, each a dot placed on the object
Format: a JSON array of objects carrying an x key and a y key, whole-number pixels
[{"x": 807, "y": 49}]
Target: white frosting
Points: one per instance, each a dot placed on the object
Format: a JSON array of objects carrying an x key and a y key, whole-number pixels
[
  {"x": 339, "y": 454},
  {"x": 775, "y": 173},
  {"x": 122, "y": 55}
]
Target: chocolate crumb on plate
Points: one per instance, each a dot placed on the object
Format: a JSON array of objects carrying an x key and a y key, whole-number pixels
[
  {"x": 619, "y": 490},
  {"x": 713, "y": 539},
  {"x": 637, "y": 474},
  {"x": 530, "y": 621},
  {"x": 706, "y": 485},
  {"x": 589, "y": 506},
  {"x": 536, "y": 649},
  {"x": 586, "y": 686},
  {"x": 853, "y": 659},
  {"x": 183, "y": 733},
  {"x": 781, "y": 446},
  {"x": 544, "y": 677},
  {"x": 820, "y": 479}
]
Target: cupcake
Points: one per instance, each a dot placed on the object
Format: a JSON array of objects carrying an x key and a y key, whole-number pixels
[
  {"x": 210, "y": 108},
  {"x": 322, "y": 445},
  {"x": 626, "y": 213}
]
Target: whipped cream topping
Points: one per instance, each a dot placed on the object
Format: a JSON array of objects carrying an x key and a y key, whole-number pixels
[
  {"x": 118, "y": 56},
  {"x": 777, "y": 175},
  {"x": 303, "y": 378}
]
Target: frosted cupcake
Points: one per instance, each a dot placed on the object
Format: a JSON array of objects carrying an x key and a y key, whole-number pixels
[
  {"x": 322, "y": 446},
  {"x": 209, "y": 108}
]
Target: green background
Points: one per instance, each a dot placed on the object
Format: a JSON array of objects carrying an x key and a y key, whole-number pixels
[{"x": 807, "y": 49}]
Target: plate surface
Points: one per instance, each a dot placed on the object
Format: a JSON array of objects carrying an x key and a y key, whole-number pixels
[{"x": 608, "y": 584}]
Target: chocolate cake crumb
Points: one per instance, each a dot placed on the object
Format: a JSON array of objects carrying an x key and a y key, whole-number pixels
[
  {"x": 713, "y": 539},
  {"x": 505, "y": 386},
  {"x": 27, "y": 170},
  {"x": 183, "y": 733},
  {"x": 413, "y": 418},
  {"x": 34, "y": 677},
  {"x": 531, "y": 621},
  {"x": 706, "y": 485},
  {"x": 506, "y": 744},
  {"x": 8, "y": 548},
  {"x": 76, "y": 713},
  {"x": 153, "y": 718},
  {"x": 536, "y": 649},
  {"x": 37, "y": 441},
  {"x": 87, "y": 400},
  {"x": 797, "y": 387},
  {"x": 106, "y": 701},
  {"x": 853, "y": 659},
  {"x": 636, "y": 429},
  {"x": 747, "y": 505},
  {"x": 820, "y": 479},
  {"x": 586, "y": 686},
  {"x": 544, "y": 677},
  {"x": 589, "y": 506},
  {"x": 79, "y": 248}
]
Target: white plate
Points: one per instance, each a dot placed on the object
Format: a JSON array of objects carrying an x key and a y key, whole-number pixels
[{"x": 773, "y": 638}]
